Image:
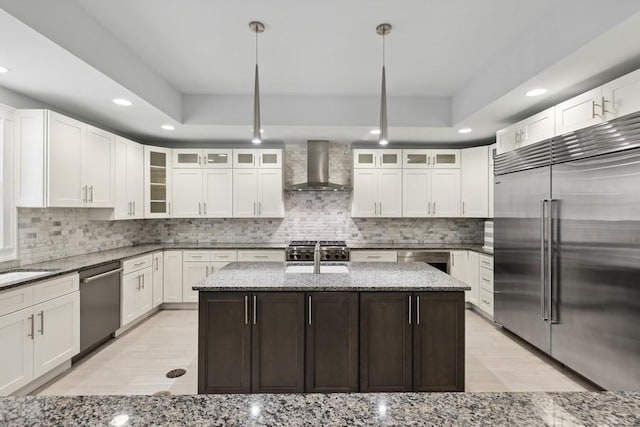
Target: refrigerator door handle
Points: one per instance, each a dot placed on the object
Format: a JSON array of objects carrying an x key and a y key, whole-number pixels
[
  {"x": 552, "y": 318},
  {"x": 543, "y": 296}
]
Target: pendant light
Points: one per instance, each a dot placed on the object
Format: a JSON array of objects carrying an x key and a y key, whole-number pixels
[
  {"x": 257, "y": 27},
  {"x": 383, "y": 30}
]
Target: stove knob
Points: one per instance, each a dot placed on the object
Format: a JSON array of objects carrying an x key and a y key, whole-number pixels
[
  {"x": 295, "y": 257},
  {"x": 337, "y": 256},
  {"x": 327, "y": 257},
  {"x": 343, "y": 255},
  {"x": 307, "y": 256}
]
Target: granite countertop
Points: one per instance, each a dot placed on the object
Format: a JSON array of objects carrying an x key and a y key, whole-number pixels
[
  {"x": 386, "y": 409},
  {"x": 362, "y": 276}
]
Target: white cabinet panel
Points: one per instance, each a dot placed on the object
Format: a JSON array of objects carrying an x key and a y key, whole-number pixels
[
  {"x": 492, "y": 152},
  {"x": 506, "y": 140},
  {"x": 122, "y": 206},
  {"x": 218, "y": 193},
  {"x": 245, "y": 193},
  {"x": 267, "y": 255},
  {"x": 538, "y": 127},
  {"x": 622, "y": 96},
  {"x": 270, "y": 197},
  {"x": 365, "y": 193},
  {"x": 373, "y": 256},
  {"x": 579, "y": 112},
  {"x": 16, "y": 357},
  {"x": 157, "y": 182},
  {"x": 187, "y": 193},
  {"x": 130, "y": 288},
  {"x": 53, "y": 288},
  {"x": 474, "y": 182},
  {"x": 30, "y": 126},
  {"x": 15, "y": 299},
  {"x": 157, "y": 277},
  {"x": 145, "y": 294},
  {"x": 172, "y": 288},
  {"x": 192, "y": 274},
  {"x": 473, "y": 277},
  {"x": 445, "y": 192},
  {"x": 65, "y": 161},
  {"x": 57, "y": 332},
  {"x": 135, "y": 179},
  {"x": 417, "y": 193},
  {"x": 98, "y": 168},
  {"x": 390, "y": 193},
  {"x": 459, "y": 266}
]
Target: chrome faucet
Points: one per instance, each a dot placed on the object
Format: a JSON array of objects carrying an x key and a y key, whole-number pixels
[{"x": 316, "y": 259}]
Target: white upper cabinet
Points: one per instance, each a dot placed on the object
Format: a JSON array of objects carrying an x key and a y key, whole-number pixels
[
  {"x": 538, "y": 127},
  {"x": 580, "y": 112},
  {"x": 377, "y": 193},
  {"x": 390, "y": 193},
  {"x": 474, "y": 182},
  {"x": 445, "y": 193},
  {"x": 492, "y": 152},
  {"x": 63, "y": 162},
  {"x": 257, "y": 183},
  {"x": 508, "y": 139},
  {"x": 157, "y": 182},
  {"x": 187, "y": 158},
  {"x": 377, "y": 158},
  {"x": 207, "y": 158},
  {"x": 187, "y": 193},
  {"x": 128, "y": 181},
  {"x": 270, "y": 159},
  {"x": 218, "y": 158},
  {"x": 218, "y": 193},
  {"x": 270, "y": 196},
  {"x": 245, "y": 193},
  {"x": 245, "y": 158},
  {"x": 622, "y": 96},
  {"x": 417, "y": 190},
  {"x": 436, "y": 159}
]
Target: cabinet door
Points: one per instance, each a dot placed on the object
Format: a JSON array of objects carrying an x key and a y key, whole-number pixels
[
  {"x": 65, "y": 161},
  {"x": 539, "y": 127},
  {"x": 218, "y": 158},
  {"x": 135, "y": 179},
  {"x": 390, "y": 193},
  {"x": 245, "y": 158},
  {"x": 129, "y": 305},
  {"x": 459, "y": 266},
  {"x": 57, "y": 332},
  {"x": 579, "y": 112},
  {"x": 270, "y": 159},
  {"x": 224, "y": 340},
  {"x": 365, "y": 193},
  {"x": 192, "y": 274},
  {"x": 445, "y": 193},
  {"x": 218, "y": 193},
  {"x": 187, "y": 193},
  {"x": 438, "y": 342},
  {"x": 245, "y": 193},
  {"x": 416, "y": 186},
  {"x": 157, "y": 277},
  {"x": 270, "y": 197},
  {"x": 622, "y": 96},
  {"x": 474, "y": 182},
  {"x": 187, "y": 158},
  {"x": 98, "y": 168},
  {"x": 332, "y": 342},
  {"x": 385, "y": 342},
  {"x": 145, "y": 294},
  {"x": 445, "y": 159},
  {"x": 416, "y": 159},
  {"x": 389, "y": 159},
  {"x": 492, "y": 153},
  {"x": 157, "y": 181},
  {"x": 122, "y": 207},
  {"x": 364, "y": 159},
  {"x": 506, "y": 140},
  {"x": 278, "y": 343},
  {"x": 172, "y": 289},
  {"x": 16, "y": 357},
  {"x": 473, "y": 277}
]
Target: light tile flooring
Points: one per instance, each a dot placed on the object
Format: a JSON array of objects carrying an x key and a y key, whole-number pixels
[{"x": 137, "y": 362}]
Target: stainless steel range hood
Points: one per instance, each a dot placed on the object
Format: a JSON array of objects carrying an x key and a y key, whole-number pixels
[{"x": 318, "y": 169}]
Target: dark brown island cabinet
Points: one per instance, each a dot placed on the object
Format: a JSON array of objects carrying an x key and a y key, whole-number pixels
[{"x": 291, "y": 342}]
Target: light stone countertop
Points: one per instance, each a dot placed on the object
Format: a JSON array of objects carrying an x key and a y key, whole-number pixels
[
  {"x": 357, "y": 409},
  {"x": 362, "y": 276}
]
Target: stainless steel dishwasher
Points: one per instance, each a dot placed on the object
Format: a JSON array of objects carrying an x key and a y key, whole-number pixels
[
  {"x": 438, "y": 259},
  {"x": 99, "y": 305}
]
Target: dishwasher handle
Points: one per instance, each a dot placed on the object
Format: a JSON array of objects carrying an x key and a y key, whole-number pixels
[{"x": 100, "y": 276}]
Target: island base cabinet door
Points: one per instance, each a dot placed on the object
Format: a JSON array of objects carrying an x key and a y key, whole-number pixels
[
  {"x": 224, "y": 340},
  {"x": 438, "y": 342},
  {"x": 16, "y": 357},
  {"x": 332, "y": 342},
  {"x": 385, "y": 342},
  {"x": 278, "y": 343}
]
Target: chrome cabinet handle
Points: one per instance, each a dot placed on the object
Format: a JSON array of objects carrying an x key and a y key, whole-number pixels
[
  {"x": 138, "y": 264},
  {"x": 462, "y": 208},
  {"x": 375, "y": 209},
  {"x": 200, "y": 208},
  {"x": 91, "y": 191},
  {"x": 374, "y": 256},
  {"x": 409, "y": 309},
  {"x": 206, "y": 271},
  {"x": 41, "y": 314},
  {"x": 246, "y": 309},
  {"x": 417, "y": 310},
  {"x": 134, "y": 206},
  {"x": 380, "y": 209},
  {"x": 138, "y": 285},
  {"x": 129, "y": 210},
  {"x": 434, "y": 208},
  {"x": 255, "y": 309},
  {"x": 142, "y": 276},
  {"x": 157, "y": 260},
  {"x": 259, "y": 208},
  {"x": 593, "y": 109},
  {"x": 205, "y": 207},
  {"x": 428, "y": 208},
  {"x": 84, "y": 194},
  {"x": 604, "y": 107},
  {"x": 254, "y": 208},
  {"x": 169, "y": 208},
  {"x": 32, "y": 320},
  {"x": 309, "y": 309}
]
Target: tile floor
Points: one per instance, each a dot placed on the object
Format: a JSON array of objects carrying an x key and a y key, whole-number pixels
[{"x": 136, "y": 363}]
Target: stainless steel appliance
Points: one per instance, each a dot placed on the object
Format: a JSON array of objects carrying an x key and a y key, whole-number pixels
[
  {"x": 318, "y": 169},
  {"x": 99, "y": 305},
  {"x": 567, "y": 249},
  {"x": 438, "y": 259},
  {"x": 330, "y": 250}
]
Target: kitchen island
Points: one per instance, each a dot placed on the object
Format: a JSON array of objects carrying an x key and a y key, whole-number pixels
[{"x": 368, "y": 327}]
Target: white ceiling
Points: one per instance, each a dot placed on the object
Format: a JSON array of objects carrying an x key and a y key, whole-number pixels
[{"x": 450, "y": 63}]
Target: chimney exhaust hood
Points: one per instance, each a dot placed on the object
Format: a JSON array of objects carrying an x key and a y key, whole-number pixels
[{"x": 318, "y": 169}]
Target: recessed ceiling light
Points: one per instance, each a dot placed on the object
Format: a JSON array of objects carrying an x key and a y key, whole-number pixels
[
  {"x": 536, "y": 92},
  {"x": 464, "y": 130},
  {"x": 3, "y": 69},
  {"x": 168, "y": 127},
  {"x": 123, "y": 102},
  {"x": 375, "y": 132}
]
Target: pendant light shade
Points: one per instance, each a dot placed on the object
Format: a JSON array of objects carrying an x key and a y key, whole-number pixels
[
  {"x": 383, "y": 30},
  {"x": 257, "y": 28}
]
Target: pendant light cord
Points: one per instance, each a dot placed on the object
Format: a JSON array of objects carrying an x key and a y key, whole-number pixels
[
  {"x": 256, "y": 48},
  {"x": 384, "y": 36}
]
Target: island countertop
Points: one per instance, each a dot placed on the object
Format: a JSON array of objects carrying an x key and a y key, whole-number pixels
[{"x": 361, "y": 277}]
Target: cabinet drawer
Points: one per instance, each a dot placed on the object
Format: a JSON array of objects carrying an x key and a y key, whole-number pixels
[
  {"x": 136, "y": 264},
  {"x": 49, "y": 289},
  {"x": 259, "y": 256},
  {"x": 374, "y": 256},
  {"x": 16, "y": 299},
  {"x": 486, "y": 301},
  {"x": 486, "y": 261},
  {"x": 196, "y": 256},
  {"x": 486, "y": 279},
  {"x": 224, "y": 256}
]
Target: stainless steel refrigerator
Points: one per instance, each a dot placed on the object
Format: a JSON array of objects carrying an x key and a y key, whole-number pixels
[{"x": 567, "y": 249}]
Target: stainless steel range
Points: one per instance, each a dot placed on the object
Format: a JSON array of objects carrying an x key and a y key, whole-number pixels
[{"x": 330, "y": 250}]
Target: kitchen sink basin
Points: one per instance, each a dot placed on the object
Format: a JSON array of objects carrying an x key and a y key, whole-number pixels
[
  {"x": 306, "y": 269},
  {"x": 13, "y": 276}
]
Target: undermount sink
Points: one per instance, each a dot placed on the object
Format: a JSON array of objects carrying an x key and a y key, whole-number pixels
[
  {"x": 12, "y": 276},
  {"x": 302, "y": 269}
]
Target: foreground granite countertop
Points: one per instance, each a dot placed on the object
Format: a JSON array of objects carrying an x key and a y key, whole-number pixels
[
  {"x": 457, "y": 409},
  {"x": 362, "y": 276}
]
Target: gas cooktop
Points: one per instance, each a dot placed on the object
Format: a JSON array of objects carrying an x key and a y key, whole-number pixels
[{"x": 330, "y": 250}]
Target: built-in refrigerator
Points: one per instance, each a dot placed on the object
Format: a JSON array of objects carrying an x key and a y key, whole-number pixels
[{"x": 567, "y": 249}]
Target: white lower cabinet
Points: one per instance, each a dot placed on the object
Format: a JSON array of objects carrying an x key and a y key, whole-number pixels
[
  {"x": 192, "y": 273},
  {"x": 373, "y": 256},
  {"x": 137, "y": 295},
  {"x": 473, "y": 277},
  {"x": 476, "y": 270},
  {"x": 157, "y": 277},
  {"x": 459, "y": 266},
  {"x": 16, "y": 357},
  {"x": 172, "y": 287}
]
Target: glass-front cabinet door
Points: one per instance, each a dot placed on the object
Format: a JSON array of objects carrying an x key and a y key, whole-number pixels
[
  {"x": 390, "y": 159},
  {"x": 157, "y": 181},
  {"x": 364, "y": 159},
  {"x": 270, "y": 158},
  {"x": 218, "y": 158},
  {"x": 245, "y": 158},
  {"x": 187, "y": 158},
  {"x": 445, "y": 159},
  {"x": 416, "y": 159}
]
